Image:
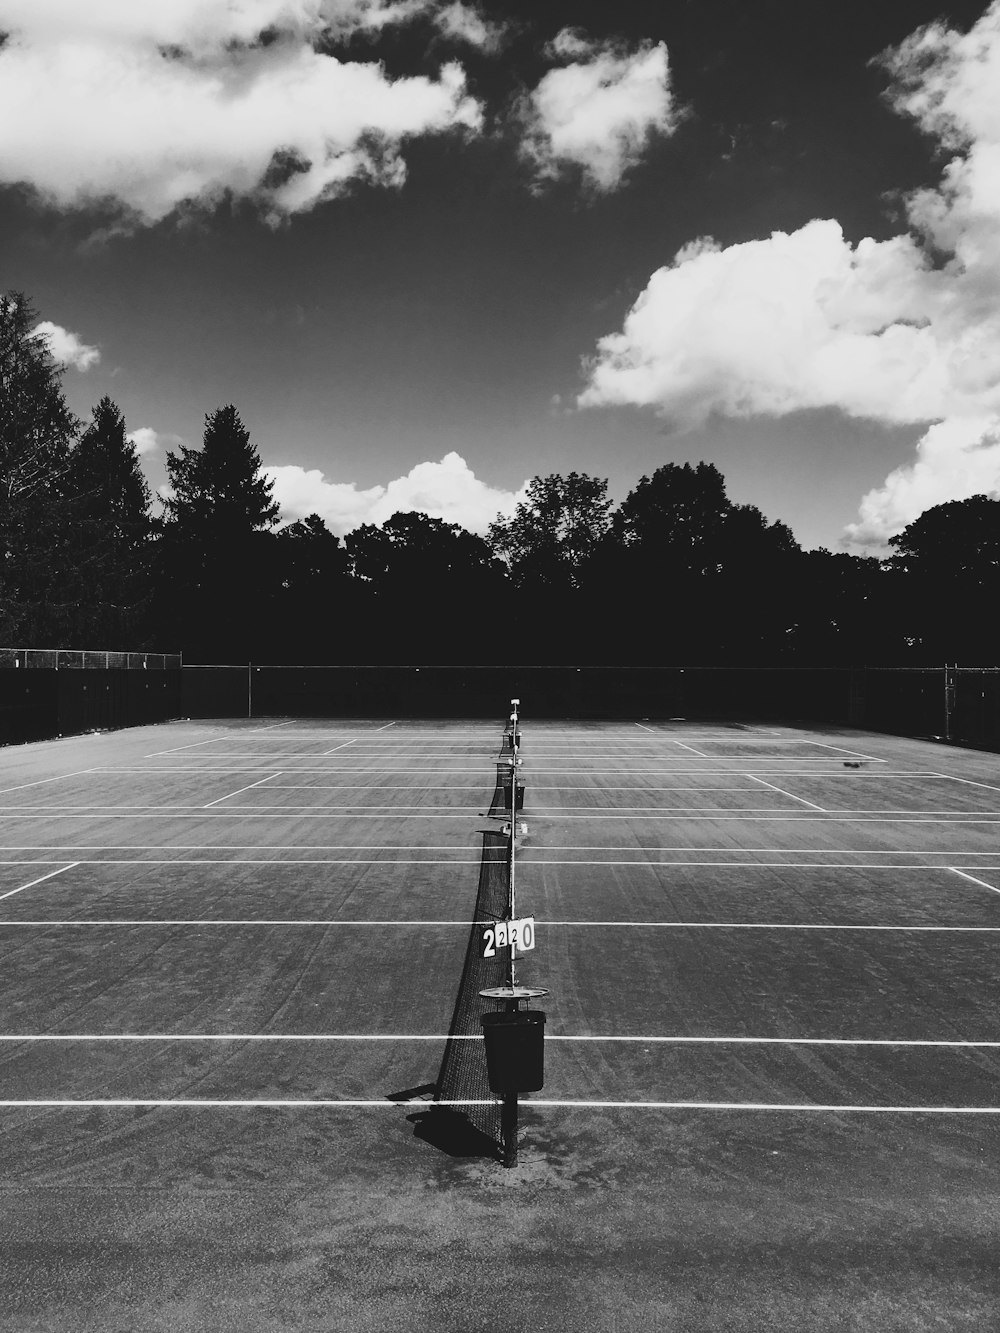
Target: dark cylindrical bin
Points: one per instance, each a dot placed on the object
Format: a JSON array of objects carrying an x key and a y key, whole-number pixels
[
  {"x": 518, "y": 790},
  {"x": 515, "y": 1050}
]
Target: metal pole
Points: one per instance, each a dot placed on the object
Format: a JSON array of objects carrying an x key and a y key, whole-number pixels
[
  {"x": 508, "y": 1113},
  {"x": 511, "y": 914},
  {"x": 249, "y": 690},
  {"x": 508, "y": 1128}
]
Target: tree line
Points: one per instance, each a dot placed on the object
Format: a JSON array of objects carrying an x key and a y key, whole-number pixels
[{"x": 676, "y": 573}]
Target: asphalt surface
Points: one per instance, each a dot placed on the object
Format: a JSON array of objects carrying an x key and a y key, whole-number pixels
[{"x": 234, "y": 960}]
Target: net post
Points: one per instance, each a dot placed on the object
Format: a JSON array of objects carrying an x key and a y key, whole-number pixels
[
  {"x": 949, "y": 701},
  {"x": 511, "y": 914},
  {"x": 508, "y": 1128},
  {"x": 508, "y": 1112}
]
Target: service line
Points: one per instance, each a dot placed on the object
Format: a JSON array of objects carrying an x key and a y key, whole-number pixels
[
  {"x": 273, "y": 1103},
  {"x": 99, "y": 1037},
  {"x": 597, "y": 814}
]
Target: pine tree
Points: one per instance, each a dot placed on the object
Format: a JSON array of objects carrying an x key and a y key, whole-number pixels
[
  {"x": 36, "y": 433},
  {"x": 218, "y": 492},
  {"x": 109, "y": 539},
  {"x": 216, "y": 542}
]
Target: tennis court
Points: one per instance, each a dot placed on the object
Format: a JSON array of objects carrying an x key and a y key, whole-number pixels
[{"x": 236, "y": 958}]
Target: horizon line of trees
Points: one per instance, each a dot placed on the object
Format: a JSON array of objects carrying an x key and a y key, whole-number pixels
[{"x": 675, "y": 574}]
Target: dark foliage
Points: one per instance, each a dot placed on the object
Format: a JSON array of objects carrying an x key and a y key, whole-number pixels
[
  {"x": 677, "y": 574},
  {"x": 218, "y": 577},
  {"x": 36, "y": 434},
  {"x": 109, "y": 544}
]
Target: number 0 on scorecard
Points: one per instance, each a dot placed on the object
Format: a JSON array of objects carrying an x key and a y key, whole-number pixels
[{"x": 518, "y": 934}]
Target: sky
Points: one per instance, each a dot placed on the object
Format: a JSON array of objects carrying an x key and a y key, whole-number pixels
[{"x": 431, "y": 249}]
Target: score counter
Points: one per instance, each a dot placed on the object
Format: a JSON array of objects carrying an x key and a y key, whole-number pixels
[{"x": 518, "y": 934}]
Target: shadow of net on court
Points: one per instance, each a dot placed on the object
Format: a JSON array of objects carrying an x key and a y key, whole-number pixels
[{"x": 472, "y": 1131}]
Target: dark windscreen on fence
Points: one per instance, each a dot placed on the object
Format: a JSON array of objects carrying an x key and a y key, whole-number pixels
[
  {"x": 961, "y": 704},
  {"x": 52, "y": 692},
  {"x": 47, "y": 692}
]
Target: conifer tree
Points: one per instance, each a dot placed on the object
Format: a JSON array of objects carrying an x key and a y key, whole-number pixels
[
  {"x": 109, "y": 502},
  {"x": 218, "y": 492},
  {"x": 216, "y": 541},
  {"x": 36, "y": 433}
]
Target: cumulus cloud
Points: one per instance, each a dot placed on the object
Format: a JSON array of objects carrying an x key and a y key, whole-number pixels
[
  {"x": 448, "y": 489},
  {"x": 895, "y": 331},
  {"x": 153, "y": 106},
  {"x": 146, "y": 440},
  {"x": 802, "y": 320},
  {"x": 955, "y": 460},
  {"x": 67, "y": 348},
  {"x": 599, "y": 112}
]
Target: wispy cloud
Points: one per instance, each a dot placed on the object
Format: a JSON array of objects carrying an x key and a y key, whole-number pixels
[
  {"x": 155, "y": 106},
  {"x": 598, "y": 112},
  {"x": 448, "y": 489},
  {"x": 465, "y": 23},
  {"x": 882, "y": 330},
  {"x": 67, "y": 348}
]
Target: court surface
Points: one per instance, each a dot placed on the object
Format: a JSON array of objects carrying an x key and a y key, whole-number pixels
[{"x": 235, "y": 957}]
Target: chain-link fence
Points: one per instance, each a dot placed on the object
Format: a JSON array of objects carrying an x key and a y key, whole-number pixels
[{"x": 88, "y": 659}]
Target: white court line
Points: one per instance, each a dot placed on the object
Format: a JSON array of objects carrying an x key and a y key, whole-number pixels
[
  {"x": 81, "y": 1037},
  {"x": 52, "y": 1103},
  {"x": 452, "y": 786},
  {"x": 672, "y": 740},
  {"x": 294, "y": 847},
  {"x": 829, "y": 817},
  {"x": 259, "y": 921},
  {"x": 279, "y": 812},
  {"x": 775, "y": 865},
  {"x": 391, "y": 724},
  {"x": 596, "y": 812},
  {"x": 41, "y": 880},
  {"x": 449, "y": 846},
  {"x": 247, "y": 813},
  {"x": 419, "y": 765},
  {"x": 465, "y": 925},
  {"x": 950, "y": 777},
  {"x": 981, "y": 882},
  {"x": 237, "y": 793},
  {"x": 483, "y": 772},
  {"x": 782, "y": 792},
  {"x": 841, "y": 750},
  {"x": 748, "y": 925},
  {"x": 213, "y": 740},
  {"x": 475, "y": 861},
  {"x": 272, "y": 861},
  {"x": 62, "y": 777},
  {"x": 339, "y": 747},
  {"x": 598, "y": 847}
]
